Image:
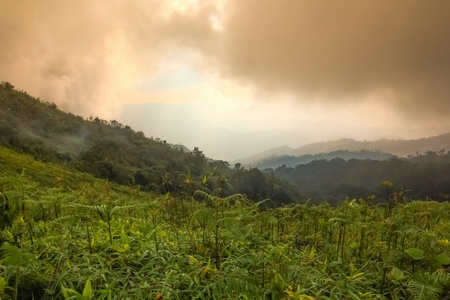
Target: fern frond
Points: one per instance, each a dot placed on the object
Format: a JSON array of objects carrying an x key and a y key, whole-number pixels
[
  {"x": 64, "y": 218},
  {"x": 441, "y": 276},
  {"x": 11, "y": 255},
  {"x": 202, "y": 196},
  {"x": 204, "y": 216},
  {"x": 423, "y": 287},
  {"x": 233, "y": 226},
  {"x": 232, "y": 198}
]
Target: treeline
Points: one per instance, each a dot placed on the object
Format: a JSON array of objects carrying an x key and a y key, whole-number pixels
[
  {"x": 420, "y": 177},
  {"x": 111, "y": 150},
  {"x": 276, "y": 161}
]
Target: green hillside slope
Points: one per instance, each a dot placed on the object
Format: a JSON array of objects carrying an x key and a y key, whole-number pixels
[
  {"x": 292, "y": 161},
  {"x": 67, "y": 235},
  {"x": 113, "y": 151},
  {"x": 422, "y": 177}
]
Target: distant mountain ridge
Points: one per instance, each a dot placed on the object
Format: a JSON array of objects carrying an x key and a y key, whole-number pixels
[
  {"x": 401, "y": 148},
  {"x": 276, "y": 161}
]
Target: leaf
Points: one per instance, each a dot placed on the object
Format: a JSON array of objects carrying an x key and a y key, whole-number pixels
[
  {"x": 415, "y": 253},
  {"x": 443, "y": 259},
  {"x": 421, "y": 290},
  {"x": 213, "y": 173},
  {"x": 11, "y": 255},
  {"x": 87, "y": 292},
  {"x": 205, "y": 216},
  {"x": 103, "y": 294},
  {"x": 387, "y": 183},
  {"x": 397, "y": 274},
  {"x": 3, "y": 283},
  {"x": 70, "y": 294},
  {"x": 354, "y": 297},
  {"x": 197, "y": 279}
]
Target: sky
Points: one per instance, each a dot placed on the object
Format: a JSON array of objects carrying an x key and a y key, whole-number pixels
[{"x": 237, "y": 77}]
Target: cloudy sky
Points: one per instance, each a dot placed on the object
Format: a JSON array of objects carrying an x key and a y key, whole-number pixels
[{"x": 237, "y": 77}]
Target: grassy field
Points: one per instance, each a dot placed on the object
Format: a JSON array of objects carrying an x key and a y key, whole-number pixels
[{"x": 67, "y": 235}]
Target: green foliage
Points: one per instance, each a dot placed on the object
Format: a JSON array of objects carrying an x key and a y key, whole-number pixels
[
  {"x": 72, "y": 294},
  {"x": 442, "y": 259},
  {"x": 423, "y": 287},
  {"x": 73, "y": 236},
  {"x": 288, "y": 160},
  {"x": 336, "y": 179},
  {"x": 415, "y": 253}
]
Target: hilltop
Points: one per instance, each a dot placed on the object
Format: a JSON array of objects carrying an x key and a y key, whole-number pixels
[
  {"x": 114, "y": 151},
  {"x": 347, "y": 148},
  {"x": 401, "y": 148},
  {"x": 276, "y": 161}
]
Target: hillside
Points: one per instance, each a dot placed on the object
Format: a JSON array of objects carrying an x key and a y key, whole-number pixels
[
  {"x": 113, "y": 151},
  {"x": 401, "y": 148},
  {"x": 67, "y": 235},
  {"x": 421, "y": 177},
  {"x": 292, "y": 161},
  {"x": 19, "y": 171},
  {"x": 274, "y": 152}
]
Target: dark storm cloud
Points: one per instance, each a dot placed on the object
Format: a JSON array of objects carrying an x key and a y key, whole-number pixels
[
  {"x": 85, "y": 55},
  {"x": 343, "y": 50}
]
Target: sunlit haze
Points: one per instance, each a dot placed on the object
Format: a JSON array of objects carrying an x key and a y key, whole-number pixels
[{"x": 233, "y": 77}]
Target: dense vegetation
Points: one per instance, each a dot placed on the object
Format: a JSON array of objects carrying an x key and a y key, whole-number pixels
[
  {"x": 67, "y": 235},
  {"x": 276, "y": 161},
  {"x": 111, "y": 150},
  {"x": 420, "y": 177}
]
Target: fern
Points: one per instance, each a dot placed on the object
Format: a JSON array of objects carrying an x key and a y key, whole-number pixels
[
  {"x": 203, "y": 216},
  {"x": 234, "y": 227},
  {"x": 13, "y": 257},
  {"x": 62, "y": 219},
  {"x": 424, "y": 287},
  {"x": 441, "y": 276}
]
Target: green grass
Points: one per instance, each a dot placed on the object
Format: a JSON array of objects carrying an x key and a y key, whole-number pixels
[{"x": 67, "y": 235}]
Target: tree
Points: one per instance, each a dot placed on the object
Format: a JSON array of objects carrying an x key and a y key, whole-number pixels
[
  {"x": 7, "y": 85},
  {"x": 197, "y": 152}
]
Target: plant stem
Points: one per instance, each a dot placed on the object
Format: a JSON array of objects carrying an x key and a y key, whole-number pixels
[{"x": 88, "y": 236}]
